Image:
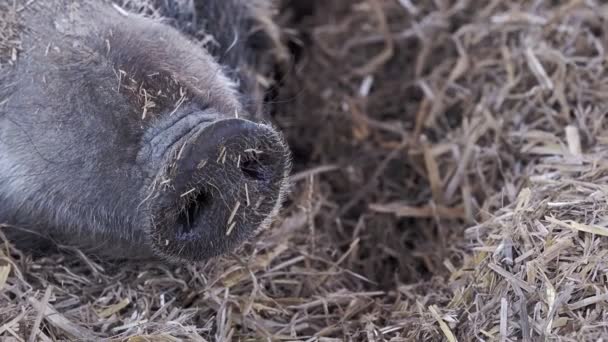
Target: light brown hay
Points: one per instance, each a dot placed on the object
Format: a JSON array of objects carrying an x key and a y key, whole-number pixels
[{"x": 10, "y": 42}]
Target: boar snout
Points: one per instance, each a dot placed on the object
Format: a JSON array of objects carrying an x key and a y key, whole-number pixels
[
  {"x": 217, "y": 187},
  {"x": 130, "y": 137}
]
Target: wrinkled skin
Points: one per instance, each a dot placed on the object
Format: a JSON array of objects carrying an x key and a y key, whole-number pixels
[{"x": 123, "y": 135}]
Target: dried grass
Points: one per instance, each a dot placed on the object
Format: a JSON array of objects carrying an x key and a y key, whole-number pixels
[
  {"x": 9, "y": 41},
  {"x": 452, "y": 168}
]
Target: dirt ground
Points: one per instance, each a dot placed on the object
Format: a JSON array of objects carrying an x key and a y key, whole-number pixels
[{"x": 451, "y": 168}]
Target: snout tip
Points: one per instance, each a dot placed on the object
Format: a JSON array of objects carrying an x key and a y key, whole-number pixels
[{"x": 224, "y": 184}]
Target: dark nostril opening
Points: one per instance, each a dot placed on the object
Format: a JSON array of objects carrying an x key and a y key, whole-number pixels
[
  {"x": 253, "y": 167},
  {"x": 190, "y": 213}
]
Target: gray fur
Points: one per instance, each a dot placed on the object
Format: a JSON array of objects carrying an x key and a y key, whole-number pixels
[{"x": 83, "y": 102}]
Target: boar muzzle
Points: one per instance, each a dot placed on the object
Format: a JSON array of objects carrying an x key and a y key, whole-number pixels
[
  {"x": 217, "y": 185},
  {"x": 127, "y": 136}
]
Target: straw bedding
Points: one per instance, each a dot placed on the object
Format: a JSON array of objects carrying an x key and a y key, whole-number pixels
[{"x": 451, "y": 184}]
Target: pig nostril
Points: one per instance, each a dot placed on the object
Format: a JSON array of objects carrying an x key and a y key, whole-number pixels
[
  {"x": 190, "y": 213},
  {"x": 254, "y": 169}
]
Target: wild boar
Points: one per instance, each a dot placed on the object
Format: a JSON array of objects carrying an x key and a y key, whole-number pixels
[{"x": 123, "y": 133}]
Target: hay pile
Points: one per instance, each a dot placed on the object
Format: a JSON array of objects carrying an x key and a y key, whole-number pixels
[{"x": 452, "y": 168}]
